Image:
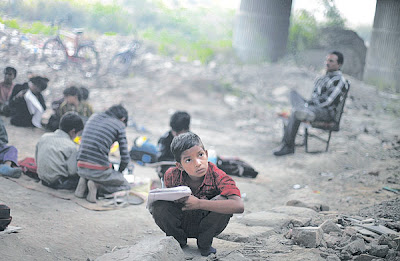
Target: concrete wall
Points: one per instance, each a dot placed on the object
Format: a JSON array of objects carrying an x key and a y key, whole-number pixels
[
  {"x": 383, "y": 57},
  {"x": 261, "y": 30}
]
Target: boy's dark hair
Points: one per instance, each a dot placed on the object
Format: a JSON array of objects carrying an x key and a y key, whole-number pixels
[
  {"x": 71, "y": 120},
  {"x": 184, "y": 142},
  {"x": 73, "y": 91},
  {"x": 40, "y": 82},
  {"x": 12, "y": 70},
  {"x": 340, "y": 58},
  {"x": 84, "y": 92},
  {"x": 180, "y": 121},
  {"x": 119, "y": 112}
]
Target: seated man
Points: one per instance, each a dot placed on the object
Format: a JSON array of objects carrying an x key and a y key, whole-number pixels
[
  {"x": 72, "y": 101},
  {"x": 8, "y": 155},
  {"x": 6, "y": 88},
  {"x": 27, "y": 103},
  {"x": 328, "y": 90},
  {"x": 94, "y": 168},
  {"x": 179, "y": 124},
  {"x": 200, "y": 215},
  {"x": 56, "y": 154}
]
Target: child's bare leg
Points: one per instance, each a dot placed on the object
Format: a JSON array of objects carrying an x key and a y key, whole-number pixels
[
  {"x": 92, "y": 186},
  {"x": 81, "y": 188}
]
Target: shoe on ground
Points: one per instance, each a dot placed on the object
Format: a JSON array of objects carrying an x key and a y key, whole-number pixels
[
  {"x": 81, "y": 188},
  {"x": 8, "y": 171},
  {"x": 284, "y": 150},
  {"x": 207, "y": 252},
  {"x": 304, "y": 115}
]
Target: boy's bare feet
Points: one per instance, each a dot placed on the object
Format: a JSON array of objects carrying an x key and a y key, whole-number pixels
[
  {"x": 81, "y": 188},
  {"x": 91, "y": 196},
  {"x": 207, "y": 252}
]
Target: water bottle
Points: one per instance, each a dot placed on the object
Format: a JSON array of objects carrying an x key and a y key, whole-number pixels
[{"x": 212, "y": 156}]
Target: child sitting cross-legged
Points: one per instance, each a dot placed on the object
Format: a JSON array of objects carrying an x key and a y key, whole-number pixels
[{"x": 215, "y": 197}]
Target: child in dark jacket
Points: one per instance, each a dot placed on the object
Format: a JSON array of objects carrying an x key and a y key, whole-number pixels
[{"x": 27, "y": 103}]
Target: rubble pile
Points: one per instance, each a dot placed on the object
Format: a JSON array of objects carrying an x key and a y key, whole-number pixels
[{"x": 351, "y": 238}]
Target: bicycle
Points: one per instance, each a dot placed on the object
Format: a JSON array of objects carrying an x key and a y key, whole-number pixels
[
  {"x": 10, "y": 40},
  {"x": 55, "y": 53},
  {"x": 122, "y": 61}
]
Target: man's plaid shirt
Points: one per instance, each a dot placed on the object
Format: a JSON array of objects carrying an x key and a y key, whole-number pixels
[{"x": 328, "y": 89}]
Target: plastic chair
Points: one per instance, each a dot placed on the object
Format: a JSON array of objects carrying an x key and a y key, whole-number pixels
[{"x": 326, "y": 126}]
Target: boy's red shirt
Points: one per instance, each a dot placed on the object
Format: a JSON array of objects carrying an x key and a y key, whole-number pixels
[{"x": 216, "y": 182}]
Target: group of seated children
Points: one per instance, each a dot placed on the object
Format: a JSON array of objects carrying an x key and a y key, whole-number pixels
[
  {"x": 24, "y": 103},
  {"x": 88, "y": 171}
]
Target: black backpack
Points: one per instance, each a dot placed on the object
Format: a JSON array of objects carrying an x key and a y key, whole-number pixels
[
  {"x": 236, "y": 167},
  {"x": 5, "y": 218}
]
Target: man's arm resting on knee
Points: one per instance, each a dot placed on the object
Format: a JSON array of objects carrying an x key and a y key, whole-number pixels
[{"x": 233, "y": 204}]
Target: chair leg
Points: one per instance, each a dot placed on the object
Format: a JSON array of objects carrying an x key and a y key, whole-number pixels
[
  {"x": 327, "y": 142},
  {"x": 306, "y": 139}
]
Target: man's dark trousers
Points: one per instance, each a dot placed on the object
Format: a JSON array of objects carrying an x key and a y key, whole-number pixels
[
  {"x": 200, "y": 224},
  {"x": 298, "y": 103}
]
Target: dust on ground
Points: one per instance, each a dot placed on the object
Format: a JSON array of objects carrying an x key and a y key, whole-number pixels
[{"x": 233, "y": 109}]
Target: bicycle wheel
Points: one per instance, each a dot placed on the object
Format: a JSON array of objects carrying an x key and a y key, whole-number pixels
[
  {"x": 120, "y": 63},
  {"x": 88, "y": 60},
  {"x": 54, "y": 54}
]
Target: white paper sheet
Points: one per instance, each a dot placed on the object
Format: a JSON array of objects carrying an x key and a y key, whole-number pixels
[
  {"x": 34, "y": 108},
  {"x": 168, "y": 194}
]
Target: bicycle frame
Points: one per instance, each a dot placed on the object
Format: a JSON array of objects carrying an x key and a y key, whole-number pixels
[
  {"x": 83, "y": 53},
  {"x": 74, "y": 57}
]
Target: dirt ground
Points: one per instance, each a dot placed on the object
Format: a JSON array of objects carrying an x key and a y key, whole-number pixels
[{"x": 233, "y": 109}]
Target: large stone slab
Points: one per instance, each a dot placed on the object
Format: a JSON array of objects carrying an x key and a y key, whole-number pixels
[
  {"x": 355, "y": 247},
  {"x": 149, "y": 249},
  {"x": 280, "y": 217},
  {"x": 237, "y": 232},
  {"x": 266, "y": 219},
  {"x": 329, "y": 226},
  {"x": 296, "y": 211},
  {"x": 307, "y": 236}
]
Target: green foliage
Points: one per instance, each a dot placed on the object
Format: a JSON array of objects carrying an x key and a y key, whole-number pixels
[
  {"x": 332, "y": 14},
  {"x": 34, "y": 28},
  {"x": 12, "y": 23},
  {"x": 302, "y": 32},
  {"x": 40, "y": 28},
  {"x": 195, "y": 34},
  {"x": 110, "y": 17},
  {"x": 110, "y": 33},
  {"x": 304, "y": 28}
]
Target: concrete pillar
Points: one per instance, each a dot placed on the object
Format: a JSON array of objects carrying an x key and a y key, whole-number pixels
[
  {"x": 383, "y": 56},
  {"x": 261, "y": 30}
]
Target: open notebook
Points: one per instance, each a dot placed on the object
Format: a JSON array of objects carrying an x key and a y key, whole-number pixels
[{"x": 168, "y": 194}]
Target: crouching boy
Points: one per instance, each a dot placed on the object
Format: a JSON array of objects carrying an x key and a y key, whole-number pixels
[{"x": 215, "y": 197}]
